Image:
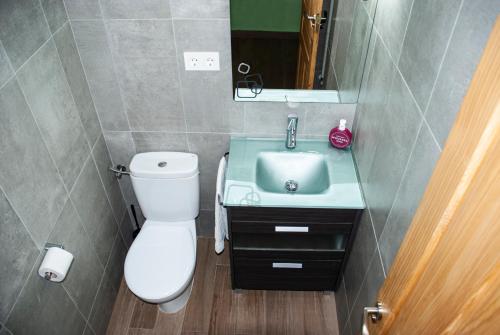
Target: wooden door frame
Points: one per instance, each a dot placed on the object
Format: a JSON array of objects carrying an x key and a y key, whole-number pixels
[{"x": 470, "y": 154}]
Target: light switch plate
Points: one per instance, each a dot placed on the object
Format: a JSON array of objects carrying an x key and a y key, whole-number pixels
[{"x": 201, "y": 61}]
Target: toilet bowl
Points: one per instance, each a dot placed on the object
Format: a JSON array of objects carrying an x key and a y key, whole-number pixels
[{"x": 160, "y": 264}]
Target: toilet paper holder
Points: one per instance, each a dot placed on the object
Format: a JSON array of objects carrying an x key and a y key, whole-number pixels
[
  {"x": 48, "y": 245},
  {"x": 52, "y": 245}
]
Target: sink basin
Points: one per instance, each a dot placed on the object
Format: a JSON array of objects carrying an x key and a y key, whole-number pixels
[
  {"x": 308, "y": 171},
  {"x": 261, "y": 172}
]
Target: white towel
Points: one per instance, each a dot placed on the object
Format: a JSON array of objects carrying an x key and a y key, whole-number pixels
[{"x": 221, "y": 230}]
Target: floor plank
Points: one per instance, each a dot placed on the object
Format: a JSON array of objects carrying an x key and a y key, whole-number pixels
[
  {"x": 122, "y": 311},
  {"x": 199, "y": 307},
  {"x": 328, "y": 311},
  {"x": 223, "y": 258},
  {"x": 223, "y": 319},
  {"x": 250, "y": 312},
  {"x": 276, "y": 305},
  {"x": 144, "y": 315}
]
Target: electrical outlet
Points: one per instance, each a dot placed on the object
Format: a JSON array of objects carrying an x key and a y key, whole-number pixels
[{"x": 201, "y": 61}]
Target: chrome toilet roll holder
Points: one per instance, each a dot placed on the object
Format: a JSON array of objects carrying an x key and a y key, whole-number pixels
[{"x": 48, "y": 245}]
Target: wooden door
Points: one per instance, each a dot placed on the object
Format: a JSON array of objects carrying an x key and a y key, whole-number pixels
[
  {"x": 446, "y": 276},
  {"x": 310, "y": 24}
]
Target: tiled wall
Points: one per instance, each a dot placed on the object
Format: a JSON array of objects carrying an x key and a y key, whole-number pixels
[
  {"x": 132, "y": 53},
  {"x": 351, "y": 26},
  {"x": 421, "y": 59},
  {"x": 54, "y": 183}
]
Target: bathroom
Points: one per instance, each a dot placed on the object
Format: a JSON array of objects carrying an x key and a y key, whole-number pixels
[{"x": 89, "y": 85}]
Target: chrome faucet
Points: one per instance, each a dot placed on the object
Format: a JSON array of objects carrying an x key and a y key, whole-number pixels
[{"x": 291, "y": 131}]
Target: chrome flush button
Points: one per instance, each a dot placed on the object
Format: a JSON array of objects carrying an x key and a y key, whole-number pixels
[{"x": 162, "y": 164}]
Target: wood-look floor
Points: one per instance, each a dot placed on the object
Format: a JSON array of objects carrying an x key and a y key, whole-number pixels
[{"x": 214, "y": 308}]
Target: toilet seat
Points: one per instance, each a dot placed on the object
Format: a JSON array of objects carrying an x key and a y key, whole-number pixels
[{"x": 160, "y": 262}]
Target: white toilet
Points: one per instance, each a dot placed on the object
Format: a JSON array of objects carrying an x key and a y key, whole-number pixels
[{"x": 160, "y": 263}]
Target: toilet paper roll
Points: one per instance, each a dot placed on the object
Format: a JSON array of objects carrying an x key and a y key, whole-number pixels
[{"x": 55, "y": 265}]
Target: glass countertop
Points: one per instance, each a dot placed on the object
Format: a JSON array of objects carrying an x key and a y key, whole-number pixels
[{"x": 260, "y": 170}]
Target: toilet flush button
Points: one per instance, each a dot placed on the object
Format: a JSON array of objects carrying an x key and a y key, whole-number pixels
[{"x": 162, "y": 164}]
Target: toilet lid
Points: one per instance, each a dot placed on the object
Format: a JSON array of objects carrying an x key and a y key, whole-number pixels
[{"x": 160, "y": 262}]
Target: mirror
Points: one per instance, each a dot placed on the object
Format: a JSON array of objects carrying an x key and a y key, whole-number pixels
[{"x": 299, "y": 50}]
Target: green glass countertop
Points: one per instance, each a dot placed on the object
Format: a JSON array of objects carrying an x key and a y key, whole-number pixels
[{"x": 258, "y": 169}]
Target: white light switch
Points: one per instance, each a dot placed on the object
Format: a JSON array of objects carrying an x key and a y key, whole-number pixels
[{"x": 201, "y": 61}]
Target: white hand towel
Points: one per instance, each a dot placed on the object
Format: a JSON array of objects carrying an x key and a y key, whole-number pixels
[{"x": 221, "y": 230}]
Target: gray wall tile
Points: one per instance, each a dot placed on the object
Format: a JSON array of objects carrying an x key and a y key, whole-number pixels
[
  {"x": 18, "y": 255},
  {"x": 395, "y": 142},
  {"x": 213, "y": 9},
  {"x": 270, "y": 118},
  {"x": 391, "y": 21},
  {"x": 321, "y": 118},
  {"x": 35, "y": 297},
  {"x": 343, "y": 27},
  {"x": 193, "y": 35},
  {"x": 347, "y": 329},
  {"x": 27, "y": 173},
  {"x": 356, "y": 56},
  {"x": 342, "y": 306},
  {"x": 205, "y": 223},
  {"x": 44, "y": 84},
  {"x": 142, "y": 38},
  {"x": 126, "y": 229},
  {"x": 4, "y": 330},
  {"x": 23, "y": 29},
  {"x": 110, "y": 182},
  {"x": 5, "y": 68},
  {"x": 469, "y": 39},
  {"x": 55, "y": 13},
  {"x": 132, "y": 9},
  {"x": 368, "y": 292},
  {"x": 370, "y": 108},
  {"x": 209, "y": 147},
  {"x": 121, "y": 146},
  {"x": 93, "y": 207},
  {"x": 363, "y": 249},
  {"x": 114, "y": 268},
  {"x": 88, "y": 330},
  {"x": 147, "y": 73},
  {"x": 88, "y": 9},
  {"x": 160, "y": 141},
  {"x": 82, "y": 281},
  {"x": 97, "y": 61},
  {"x": 427, "y": 35},
  {"x": 151, "y": 97},
  {"x": 103, "y": 307},
  {"x": 207, "y": 96},
  {"x": 418, "y": 173},
  {"x": 70, "y": 59},
  {"x": 208, "y": 102}
]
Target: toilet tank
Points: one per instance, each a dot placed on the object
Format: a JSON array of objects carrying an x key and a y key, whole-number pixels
[{"x": 166, "y": 185}]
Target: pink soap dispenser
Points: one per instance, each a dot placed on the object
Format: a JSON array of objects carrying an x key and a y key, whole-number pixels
[{"x": 340, "y": 137}]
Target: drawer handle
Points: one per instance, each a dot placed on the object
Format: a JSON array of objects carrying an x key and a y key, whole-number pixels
[
  {"x": 291, "y": 229},
  {"x": 287, "y": 265}
]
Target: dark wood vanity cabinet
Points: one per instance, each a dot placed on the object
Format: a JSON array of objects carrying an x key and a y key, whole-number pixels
[{"x": 289, "y": 248}]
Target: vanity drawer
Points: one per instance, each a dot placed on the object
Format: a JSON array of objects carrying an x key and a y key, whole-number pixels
[
  {"x": 297, "y": 268},
  {"x": 289, "y": 227},
  {"x": 290, "y": 274}
]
